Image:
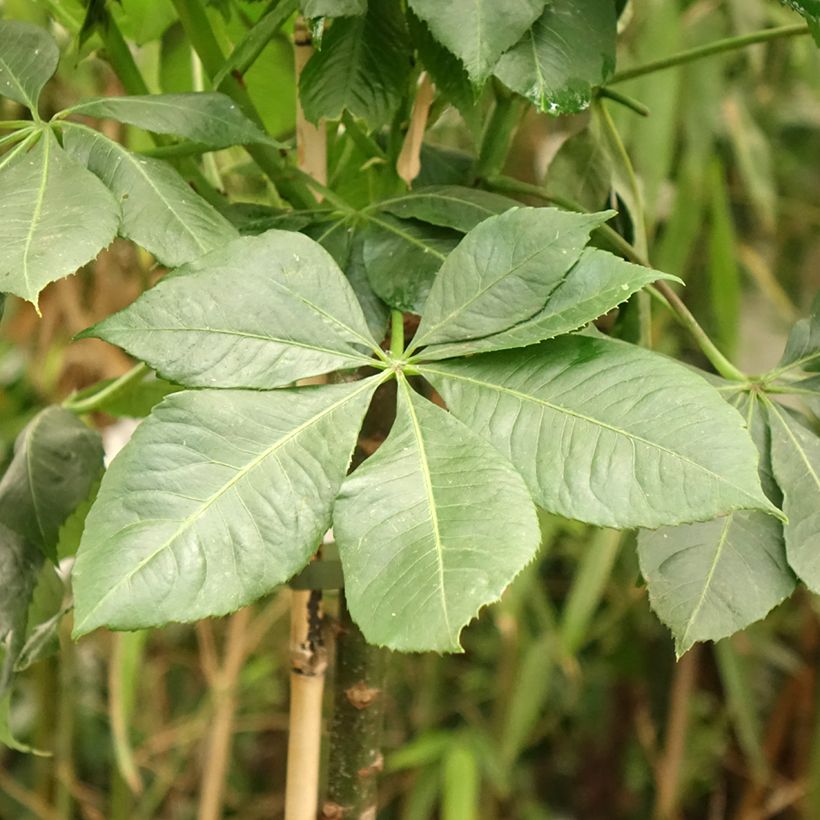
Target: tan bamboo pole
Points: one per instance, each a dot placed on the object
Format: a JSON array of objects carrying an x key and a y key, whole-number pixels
[{"x": 308, "y": 657}]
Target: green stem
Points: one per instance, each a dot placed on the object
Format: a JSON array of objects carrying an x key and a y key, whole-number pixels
[
  {"x": 718, "y": 47},
  {"x": 661, "y": 289},
  {"x": 625, "y": 100},
  {"x": 396, "y": 333},
  {"x": 88, "y": 404},
  {"x": 498, "y": 135}
]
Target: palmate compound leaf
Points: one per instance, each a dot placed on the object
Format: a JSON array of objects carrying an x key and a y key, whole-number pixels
[
  {"x": 260, "y": 312},
  {"x": 160, "y": 212},
  {"x": 208, "y": 118},
  {"x": 478, "y": 32},
  {"x": 607, "y": 433},
  {"x": 431, "y": 528},
  {"x": 56, "y": 460},
  {"x": 597, "y": 283},
  {"x": 711, "y": 579},
  {"x": 219, "y": 496},
  {"x": 502, "y": 272},
  {"x": 28, "y": 59},
  {"x": 568, "y": 50},
  {"x": 54, "y": 217},
  {"x": 796, "y": 465}
]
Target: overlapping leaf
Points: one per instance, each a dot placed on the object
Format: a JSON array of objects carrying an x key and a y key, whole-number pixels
[
  {"x": 208, "y": 118},
  {"x": 796, "y": 465},
  {"x": 711, "y": 579},
  {"x": 160, "y": 212},
  {"x": 28, "y": 60},
  {"x": 431, "y": 528},
  {"x": 607, "y": 433},
  {"x": 803, "y": 345},
  {"x": 596, "y": 283},
  {"x": 569, "y": 50},
  {"x": 502, "y": 272},
  {"x": 54, "y": 217},
  {"x": 260, "y": 312},
  {"x": 333, "y": 8},
  {"x": 363, "y": 67},
  {"x": 478, "y": 32},
  {"x": 218, "y": 497}
]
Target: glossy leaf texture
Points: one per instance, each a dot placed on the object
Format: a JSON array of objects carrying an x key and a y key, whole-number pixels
[
  {"x": 28, "y": 60},
  {"x": 796, "y": 465},
  {"x": 402, "y": 258},
  {"x": 607, "y": 433},
  {"x": 332, "y": 8},
  {"x": 160, "y": 211},
  {"x": 208, "y": 118},
  {"x": 568, "y": 51},
  {"x": 502, "y": 272},
  {"x": 449, "y": 206},
  {"x": 478, "y": 32},
  {"x": 709, "y": 580},
  {"x": 261, "y": 312},
  {"x": 597, "y": 283},
  {"x": 56, "y": 460},
  {"x": 431, "y": 528},
  {"x": 218, "y": 497},
  {"x": 363, "y": 67},
  {"x": 54, "y": 217}
]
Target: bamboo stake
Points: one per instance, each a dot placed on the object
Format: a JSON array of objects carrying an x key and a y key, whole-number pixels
[{"x": 308, "y": 657}]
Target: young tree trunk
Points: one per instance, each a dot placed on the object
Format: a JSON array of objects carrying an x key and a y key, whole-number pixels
[{"x": 355, "y": 734}]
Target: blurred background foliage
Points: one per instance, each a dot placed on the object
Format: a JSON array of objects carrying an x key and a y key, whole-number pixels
[{"x": 568, "y": 702}]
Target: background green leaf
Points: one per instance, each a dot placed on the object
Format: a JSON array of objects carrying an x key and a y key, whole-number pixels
[{"x": 28, "y": 59}]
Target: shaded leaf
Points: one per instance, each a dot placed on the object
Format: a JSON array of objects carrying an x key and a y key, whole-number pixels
[
  {"x": 796, "y": 463},
  {"x": 54, "y": 217},
  {"x": 450, "y": 206},
  {"x": 607, "y": 433},
  {"x": 56, "y": 460},
  {"x": 402, "y": 258},
  {"x": 363, "y": 67},
  {"x": 291, "y": 314},
  {"x": 478, "y": 32},
  {"x": 431, "y": 528},
  {"x": 28, "y": 59},
  {"x": 160, "y": 211},
  {"x": 218, "y": 497},
  {"x": 332, "y": 8},
  {"x": 6, "y": 736},
  {"x": 570, "y": 49},
  {"x": 207, "y": 117},
  {"x": 596, "y": 283},
  {"x": 803, "y": 345},
  {"x": 810, "y": 9},
  {"x": 502, "y": 272}
]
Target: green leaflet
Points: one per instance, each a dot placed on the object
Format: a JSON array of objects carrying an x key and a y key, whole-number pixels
[
  {"x": 450, "y": 206},
  {"x": 502, "y": 272},
  {"x": 56, "y": 460},
  {"x": 478, "y": 32},
  {"x": 402, "y": 257},
  {"x": 160, "y": 212},
  {"x": 430, "y": 529},
  {"x": 363, "y": 68},
  {"x": 711, "y": 579},
  {"x": 596, "y": 284},
  {"x": 332, "y": 8},
  {"x": 54, "y": 217},
  {"x": 570, "y": 49},
  {"x": 607, "y": 433},
  {"x": 803, "y": 345},
  {"x": 218, "y": 497},
  {"x": 810, "y": 9},
  {"x": 28, "y": 59},
  {"x": 796, "y": 464},
  {"x": 208, "y": 118},
  {"x": 294, "y": 316}
]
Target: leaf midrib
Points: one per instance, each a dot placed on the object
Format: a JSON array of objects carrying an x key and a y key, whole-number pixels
[
  {"x": 30, "y": 104},
  {"x": 366, "y": 384},
  {"x": 526, "y": 397}
]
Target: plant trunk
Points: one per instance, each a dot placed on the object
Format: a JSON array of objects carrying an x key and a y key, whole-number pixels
[{"x": 355, "y": 734}]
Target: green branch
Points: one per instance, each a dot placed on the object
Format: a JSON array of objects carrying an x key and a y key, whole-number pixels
[{"x": 718, "y": 47}]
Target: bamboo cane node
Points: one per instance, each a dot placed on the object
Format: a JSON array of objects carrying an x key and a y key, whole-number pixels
[{"x": 360, "y": 695}]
